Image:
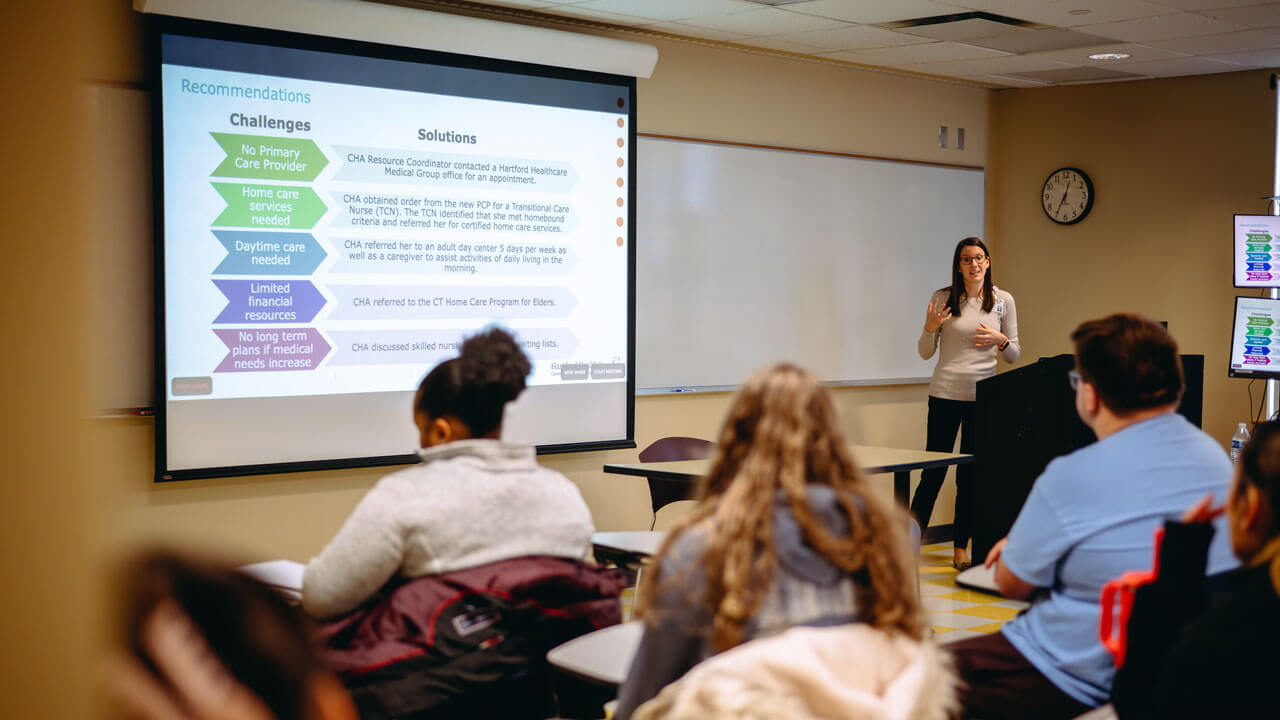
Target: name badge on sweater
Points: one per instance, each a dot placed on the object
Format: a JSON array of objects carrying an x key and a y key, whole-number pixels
[{"x": 999, "y": 308}]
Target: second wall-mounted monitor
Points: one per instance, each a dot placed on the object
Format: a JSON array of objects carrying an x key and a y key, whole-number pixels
[
  {"x": 1257, "y": 251},
  {"x": 1255, "y": 339}
]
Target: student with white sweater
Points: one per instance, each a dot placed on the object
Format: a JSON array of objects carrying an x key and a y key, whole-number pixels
[
  {"x": 473, "y": 499},
  {"x": 973, "y": 322}
]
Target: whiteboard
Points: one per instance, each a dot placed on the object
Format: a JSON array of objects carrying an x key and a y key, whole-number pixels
[{"x": 748, "y": 256}]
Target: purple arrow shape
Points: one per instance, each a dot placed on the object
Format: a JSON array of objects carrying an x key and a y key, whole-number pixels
[
  {"x": 271, "y": 349},
  {"x": 269, "y": 301}
]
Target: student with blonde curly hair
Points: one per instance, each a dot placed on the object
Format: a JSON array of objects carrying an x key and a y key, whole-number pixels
[{"x": 786, "y": 532}]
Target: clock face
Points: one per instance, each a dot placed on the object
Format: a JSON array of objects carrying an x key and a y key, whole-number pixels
[{"x": 1067, "y": 196}]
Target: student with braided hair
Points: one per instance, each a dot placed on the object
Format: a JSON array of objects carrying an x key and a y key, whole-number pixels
[
  {"x": 473, "y": 499},
  {"x": 786, "y": 532}
]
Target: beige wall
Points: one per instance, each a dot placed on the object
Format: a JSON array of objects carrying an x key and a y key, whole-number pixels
[
  {"x": 1171, "y": 161},
  {"x": 695, "y": 91}
]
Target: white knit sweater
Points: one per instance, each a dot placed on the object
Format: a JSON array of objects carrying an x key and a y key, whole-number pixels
[
  {"x": 468, "y": 503},
  {"x": 960, "y": 364}
]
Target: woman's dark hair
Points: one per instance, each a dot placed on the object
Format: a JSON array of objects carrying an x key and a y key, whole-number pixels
[
  {"x": 474, "y": 387},
  {"x": 262, "y": 641},
  {"x": 956, "y": 291},
  {"x": 1260, "y": 467},
  {"x": 1132, "y": 362}
]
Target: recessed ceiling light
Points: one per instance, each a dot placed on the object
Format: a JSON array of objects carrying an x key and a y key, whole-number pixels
[
  {"x": 1079, "y": 11},
  {"x": 1109, "y": 56}
]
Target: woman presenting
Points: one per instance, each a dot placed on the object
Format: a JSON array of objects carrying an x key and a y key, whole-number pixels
[{"x": 972, "y": 321}]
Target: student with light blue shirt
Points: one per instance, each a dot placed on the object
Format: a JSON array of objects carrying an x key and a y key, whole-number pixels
[{"x": 1090, "y": 517}]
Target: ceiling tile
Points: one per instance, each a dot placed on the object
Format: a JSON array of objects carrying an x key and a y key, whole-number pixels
[
  {"x": 1243, "y": 41},
  {"x": 1163, "y": 27},
  {"x": 1081, "y": 74},
  {"x": 1003, "y": 80},
  {"x": 664, "y": 10},
  {"x": 765, "y": 21},
  {"x": 1196, "y": 5},
  {"x": 778, "y": 43},
  {"x": 1002, "y": 7},
  {"x": 1257, "y": 16},
  {"x": 874, "y": 11},
  {"x": 963, "y": 30},
  {"x": 1137, "y": 53},
  {"x": 521, "y": 3},
  {"x": 696, "y": 32},
  {"x": 1182, "y": 66},
  {"x": 851, "y": 37},
  {"x": 1258, "y": 58},
  {"x": 574, "y": 11},
  {"x": 1041, "y": 40},
  {"x": 1007, "y": 64},
  {"x": 1064, "y": 12},
  {"x": 915, "y": 54}
]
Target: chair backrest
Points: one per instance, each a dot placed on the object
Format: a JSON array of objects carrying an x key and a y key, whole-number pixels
[{"x": 673, "y": 448}]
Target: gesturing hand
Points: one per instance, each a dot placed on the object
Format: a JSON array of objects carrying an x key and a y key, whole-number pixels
[
  {"x": 1203, "y": 511},
  {"x": 986, "y": 336},
  {"x": 938, "y": 314},
  {"x": 994, "y": 553}
]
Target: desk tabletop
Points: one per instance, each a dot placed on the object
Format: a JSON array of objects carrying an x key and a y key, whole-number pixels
[
  {"x": 871, "y": 459},
  {"x": 604, "y": 655},
  {"x": 636, "y": 542}
]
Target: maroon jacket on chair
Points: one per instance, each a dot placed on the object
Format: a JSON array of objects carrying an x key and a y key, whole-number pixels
[{"x": 469, "y": 643}]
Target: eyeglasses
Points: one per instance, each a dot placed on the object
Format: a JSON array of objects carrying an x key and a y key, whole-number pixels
[
  {"x": 972, "y": 259},
  {"x": 1073, "y": 377}
]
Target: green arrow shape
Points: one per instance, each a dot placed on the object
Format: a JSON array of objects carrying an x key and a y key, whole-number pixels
[
  {"x": 1258, "y": 237},
  {"x": 1259, "y": 248},
  {"x": 1267, "y": 322},
  {"x": 269, "y": 206},
  {"x": 1265, "y": 332},
  {"x": 269, "y": 158}
]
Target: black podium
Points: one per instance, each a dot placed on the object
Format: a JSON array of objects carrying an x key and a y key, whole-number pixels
[{"x": 1027, "y": 417}]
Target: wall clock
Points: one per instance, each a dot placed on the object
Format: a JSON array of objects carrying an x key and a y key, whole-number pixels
[{"x": 1067, "y": 195}]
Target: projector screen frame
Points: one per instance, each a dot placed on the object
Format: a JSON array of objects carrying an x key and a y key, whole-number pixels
[{"x": 159, "y": 25}]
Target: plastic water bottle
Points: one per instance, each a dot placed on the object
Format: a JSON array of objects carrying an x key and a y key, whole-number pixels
[{"x": 1238, "y": 440}]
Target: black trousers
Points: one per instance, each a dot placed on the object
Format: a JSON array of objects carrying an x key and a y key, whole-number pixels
[{"x": 945, "y": 417}]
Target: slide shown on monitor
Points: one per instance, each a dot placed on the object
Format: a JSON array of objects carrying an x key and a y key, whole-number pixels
[
  {"x": 1257, "y": 251},
  {"x": 1255, "y": 338},
  {"x": 334, "y": 224}
]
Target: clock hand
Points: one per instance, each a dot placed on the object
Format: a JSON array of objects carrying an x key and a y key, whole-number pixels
[{"x": 1064, "y": 199}]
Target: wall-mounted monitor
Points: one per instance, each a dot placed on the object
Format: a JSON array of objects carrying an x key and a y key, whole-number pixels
[
  {"x": 1257, "y": 251},
  {"x": 1255, "y": 339},
  {"x": 334, "y": 216}
]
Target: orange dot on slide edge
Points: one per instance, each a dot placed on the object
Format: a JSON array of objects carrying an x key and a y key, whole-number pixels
[
  {"x": 619, "y": 242},
  {"x": 619, "y": 202},
  {"x": 619, "y": 162},
  {"x": 619, "y": 222}
]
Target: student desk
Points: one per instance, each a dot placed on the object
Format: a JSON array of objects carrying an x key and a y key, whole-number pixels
[
  {"x": 603, "y": 656},
  {"x": 672, "y": 481}
]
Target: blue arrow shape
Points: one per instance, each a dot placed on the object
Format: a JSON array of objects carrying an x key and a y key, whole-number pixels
[
  {"x": 269, "y": 253},
  {"x": 1257, "y": 351}
]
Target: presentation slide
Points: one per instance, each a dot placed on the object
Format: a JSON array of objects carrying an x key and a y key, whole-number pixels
[
  {"x": 1257, "y": 252},
  {"x": 334, "y": 224},
  {"x": 1255, "y": 338}
]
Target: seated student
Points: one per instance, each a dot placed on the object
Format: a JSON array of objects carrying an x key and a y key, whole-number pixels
[
  {"x": 472, "y": 500},
  {"x": 1188, "y": 658},
  {"x": 1089, "y": 518},
  {"x": 208, "y": 643},
  {"x": 786, "y": 532}
]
